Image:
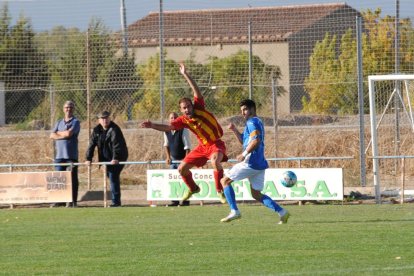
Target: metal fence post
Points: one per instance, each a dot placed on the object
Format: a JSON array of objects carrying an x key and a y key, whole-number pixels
[
  {"x": 275, "y": 118},
  {"x": 362, "y": 166},
  {"x": 88, "y": 95},
  {"x": 105, "y": 185},
  {"x": 402, "y": 180}
]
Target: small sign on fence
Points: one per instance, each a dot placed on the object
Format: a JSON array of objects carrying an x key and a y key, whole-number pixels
[{"x": 35, "y": 187}]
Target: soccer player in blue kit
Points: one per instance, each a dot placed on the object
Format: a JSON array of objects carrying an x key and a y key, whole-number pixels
[{"x": 252, "y": 164}]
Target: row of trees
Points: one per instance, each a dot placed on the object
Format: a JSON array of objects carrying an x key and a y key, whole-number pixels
[
  {"x": 56, "y": 60},
  {"x": 33, "y": 65},
  {"x": 230, "y": 76},
  {"x": 22, "y": 65},
  {"x": 332, "y": 82}
]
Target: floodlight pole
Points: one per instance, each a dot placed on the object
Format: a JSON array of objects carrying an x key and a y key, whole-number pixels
[
  {"x": 161, "y": 43},
  {"x": 88, "y": 95},
  {"x": 397, "y": 36},
  {"x": 250, "y": 61},
  {"x": 124, "y": 28},
  {"x": 162, "y": 77}
]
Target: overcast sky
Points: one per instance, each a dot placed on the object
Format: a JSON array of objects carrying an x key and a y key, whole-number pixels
[{"x": 46, "y": 14}]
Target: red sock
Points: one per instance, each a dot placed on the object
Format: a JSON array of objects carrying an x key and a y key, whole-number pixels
[
  {"x": 189, "y": 181},
  {"x": 218, "y": 175}
]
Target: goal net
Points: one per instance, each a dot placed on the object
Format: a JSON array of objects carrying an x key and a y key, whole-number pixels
[{"x": 391, "y": 100}]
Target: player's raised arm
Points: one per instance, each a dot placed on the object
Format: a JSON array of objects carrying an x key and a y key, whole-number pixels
[
  {"x": 160, "y": 127},
  {"x": 191, "y": 82}
]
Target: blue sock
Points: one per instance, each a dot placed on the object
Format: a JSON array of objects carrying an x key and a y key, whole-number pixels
[
  {"x": 231, "y": 197},
  {"x": 269, "y": 203}
]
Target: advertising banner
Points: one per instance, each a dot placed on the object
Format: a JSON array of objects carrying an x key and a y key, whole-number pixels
[
  {"x": 35, "y": 187},
  {"x": 312, "y": 184}
]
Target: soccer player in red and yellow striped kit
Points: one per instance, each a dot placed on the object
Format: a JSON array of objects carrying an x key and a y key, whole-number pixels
[{"x": 208, "y": 131}]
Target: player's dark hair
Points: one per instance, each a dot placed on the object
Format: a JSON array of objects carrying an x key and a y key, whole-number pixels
[
  {"x": 183, "y": 100},
  {"x": 248, "y": 103}
]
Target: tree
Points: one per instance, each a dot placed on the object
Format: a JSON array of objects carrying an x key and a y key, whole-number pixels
[
  {"x": 66, "y": 57},
  {"x": 331, "y": 84},
  {"x": 23, "y": 67},
  {"x": 113, "y": 78},
  {"x": 175, "y": 87},
  {"x": 324, "y": 71},
  {"x": 231, "y": 76},
  {"x": 5, "y": 21},
  {"x": 116, "y": 85},
  {"x": 347, "y": 78}
]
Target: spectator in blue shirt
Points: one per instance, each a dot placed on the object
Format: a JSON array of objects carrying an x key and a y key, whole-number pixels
[{"x": 65, "y": 135}]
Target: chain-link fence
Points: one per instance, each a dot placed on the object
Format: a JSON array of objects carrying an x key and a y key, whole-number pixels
[{"x": 305, "y": 54}]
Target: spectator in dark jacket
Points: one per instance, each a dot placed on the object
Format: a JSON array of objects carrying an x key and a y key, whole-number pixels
[{"x": 108, "y": 137}]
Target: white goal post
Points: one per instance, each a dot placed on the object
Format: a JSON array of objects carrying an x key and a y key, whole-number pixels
[{"x": 372, "y": 80}]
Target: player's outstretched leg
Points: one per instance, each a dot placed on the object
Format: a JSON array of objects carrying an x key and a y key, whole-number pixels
[
  {"x": 190, "y": 193},
  {"x": 218, "y": 175},
  {"x": 269, "y": 203},
  {"x": 284, "y": 216},
  {"x": 231, "y": 199},
  {"x": 187, "y": 176},
  {"x": 192, "y": 186}
]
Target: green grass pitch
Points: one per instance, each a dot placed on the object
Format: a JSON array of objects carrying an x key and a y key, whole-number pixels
[{"x": 318, "y": 240}]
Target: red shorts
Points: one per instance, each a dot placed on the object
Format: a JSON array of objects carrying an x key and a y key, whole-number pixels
[{"x": 201, "y": 154}]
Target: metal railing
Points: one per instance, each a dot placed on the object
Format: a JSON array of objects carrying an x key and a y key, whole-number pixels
[{"x": 152, "y": 162}]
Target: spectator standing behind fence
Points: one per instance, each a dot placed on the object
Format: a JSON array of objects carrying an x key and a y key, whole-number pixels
[
  {"x": 177, "y": 145},
  {"x": 252, "y": 164},
  {"x": 65, "y": 135},
  {"x": 108, "y": 137},
  {"x": 208, "y": 131}
]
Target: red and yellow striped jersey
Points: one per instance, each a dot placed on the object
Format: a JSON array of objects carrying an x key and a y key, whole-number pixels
[{"x": 203, "y": 124}]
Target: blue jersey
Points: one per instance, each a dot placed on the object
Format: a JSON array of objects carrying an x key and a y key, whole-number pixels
[
  {"x": 67, "y": 148},
  {"x": 254, "y": 130}
]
